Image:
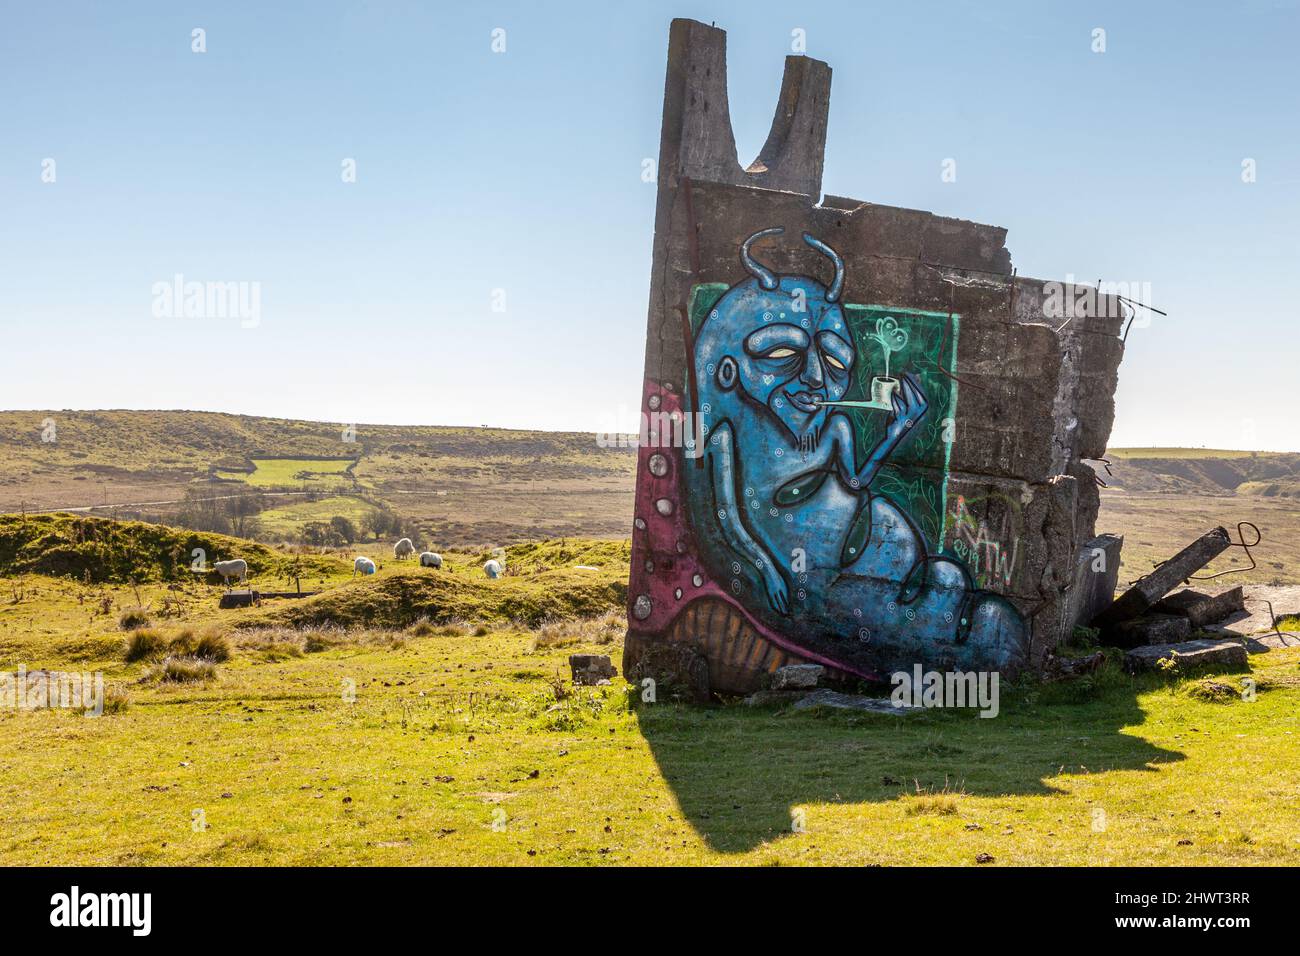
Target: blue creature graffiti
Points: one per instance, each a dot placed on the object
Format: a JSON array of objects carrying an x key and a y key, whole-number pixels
[{"x": 782, "y": 504}]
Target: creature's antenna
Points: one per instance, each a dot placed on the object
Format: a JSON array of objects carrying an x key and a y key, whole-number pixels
[
  {"x": 837, "y": 284},
  {"x": 760, "y": 272}
]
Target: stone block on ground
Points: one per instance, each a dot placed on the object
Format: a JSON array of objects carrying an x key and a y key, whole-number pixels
[
  {"x": 1065, "y": 668},
  {"x": 833, "y": 700},
  {"x": 1187, "y": 654},
  {"x": 1152, "y": 629},
  {"x": 590, "y": 669},
  {"x": 775, "y": 698},
  {"x": 1202, "y": 609},
  {"x": 1096, "y": 575},
  {"x": 239, "y": 599},
  {"x": 1151, "y": 588},
  {"x": 796, "y": 676}
]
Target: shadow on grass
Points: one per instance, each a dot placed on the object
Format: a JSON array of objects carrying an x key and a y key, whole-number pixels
[{"x": 737, "y": 771}]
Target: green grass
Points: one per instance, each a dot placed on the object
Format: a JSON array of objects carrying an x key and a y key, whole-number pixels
[
  {"x": 447, "y": 730},
  {"x": 279, "y": 472},
  {"x": 285, "y": 523},
  {"x": 414, "y": 738},
  {"x": 102, "y": 550}
]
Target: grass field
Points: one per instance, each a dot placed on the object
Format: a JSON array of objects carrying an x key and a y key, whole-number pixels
[
  {"x": 456, "y": 750},
  {"x": 280, "y": 472},
  {"x": 285, "y": 523},
  {"x": 413, "y": 737},
  {"x": 465, "y": 742}
]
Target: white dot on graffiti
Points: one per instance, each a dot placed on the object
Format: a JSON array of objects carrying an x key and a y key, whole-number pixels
[
  {"x": 658, "y": 465},
  {"x": 697, "y": 580}
]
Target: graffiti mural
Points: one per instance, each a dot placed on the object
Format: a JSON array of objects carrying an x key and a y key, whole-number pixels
[{"x": 812, "y": 495}]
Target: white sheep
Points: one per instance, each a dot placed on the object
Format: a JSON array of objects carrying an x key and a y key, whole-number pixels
[
  {"x": 492, "y": 568},
  {"x": 237, "y": 568},
  {"x": 404, "y": 548},
  {"x": 362, "y": 565},
  {"x": 429, "y": 559}
]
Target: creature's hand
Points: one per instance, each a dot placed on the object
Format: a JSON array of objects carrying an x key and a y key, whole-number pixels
[
  {"x": 778, "y": 594},
  {"x": 910, "y": 406}
]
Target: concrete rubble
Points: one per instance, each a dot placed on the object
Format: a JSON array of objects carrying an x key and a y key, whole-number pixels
[
  {"x": 1187, "y": 653},
  {"x": 833, "y": 700},
  {"x": 1144, "y": 594},
  {"x": 591, "y": 669}
]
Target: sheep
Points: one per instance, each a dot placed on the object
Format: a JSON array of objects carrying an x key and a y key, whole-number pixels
[
  {"x": 492, "y": 568},
  {"x": 404, "y": 548},
  {"x": 362, "y": 565},
  {"x": 429, "y": 559},
  {"x": 237, "y": 568}
]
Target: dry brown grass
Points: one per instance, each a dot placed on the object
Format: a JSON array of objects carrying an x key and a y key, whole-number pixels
[{"x": 603, "y": 628}]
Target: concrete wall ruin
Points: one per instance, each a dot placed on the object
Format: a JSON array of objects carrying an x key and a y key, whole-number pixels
[{"x": 946, "y": 513}]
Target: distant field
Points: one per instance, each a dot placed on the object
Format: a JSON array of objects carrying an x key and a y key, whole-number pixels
[
  {"x": 481, "y": 487},
  {"x": 286, "y": 522},
  {"x": 471, "y": 487},
  {"x": 278, "y": 472},
  {"x": 1157, "y": 526},
  {"x": 1179, "y": 453}
]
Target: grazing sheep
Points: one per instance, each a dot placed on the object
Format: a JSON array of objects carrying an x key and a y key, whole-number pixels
[
  {"x": 403, "y": 549},
  {"x": 492, "y": 568},
  {"x": 238, "y": 568},
  {"x": 429, "y": 559},
  {"x": 363, "y": 566}
]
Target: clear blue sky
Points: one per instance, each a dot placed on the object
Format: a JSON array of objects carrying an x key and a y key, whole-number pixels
[{"x": 521, "y": 171}]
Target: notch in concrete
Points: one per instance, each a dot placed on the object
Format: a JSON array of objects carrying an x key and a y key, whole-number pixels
[{"x": 696, "y": 139}]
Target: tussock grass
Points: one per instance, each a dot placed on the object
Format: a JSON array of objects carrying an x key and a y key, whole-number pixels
[
  {"x": 132, "y": 618},
  {"x": 143, "y": 645},
  {"x": 928, "y": 801},
  {"x": 184, "y": 670},
  {"x": 116, "y": 699},
  {"x": 604, "y": 628}
]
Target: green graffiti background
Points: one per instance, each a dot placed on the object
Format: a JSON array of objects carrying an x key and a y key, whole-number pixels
[{"x": 916, "y": 477}]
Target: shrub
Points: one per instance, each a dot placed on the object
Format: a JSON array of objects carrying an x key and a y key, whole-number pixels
[
  {"x": 601, "y": 629},
  {"x": 212, "y": 647},
  {"x": 132, "y": 618},
  {"x": 186, "y": 670},
  {"x": 143, "y": 645},
  {"x": 423, "y": 629},
  {"x": 315, "y": 643},
  {"x": 116, "y": 700},
  {"x": 182, "y": 644}
]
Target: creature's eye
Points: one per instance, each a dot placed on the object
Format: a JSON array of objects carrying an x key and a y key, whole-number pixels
[
  {"x": 779, "y": 353},
  {"x": 833, "y": 361}
]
